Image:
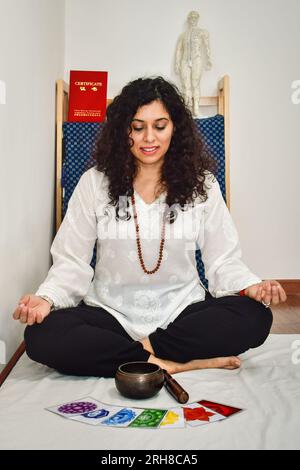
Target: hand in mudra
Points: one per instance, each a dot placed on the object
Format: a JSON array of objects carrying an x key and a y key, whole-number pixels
[
  {"x": 31, "y": 309},
  {"x": 268, "y": 292}
]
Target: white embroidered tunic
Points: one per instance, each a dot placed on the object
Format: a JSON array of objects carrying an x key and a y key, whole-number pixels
[{"x": 142, "y": 302}]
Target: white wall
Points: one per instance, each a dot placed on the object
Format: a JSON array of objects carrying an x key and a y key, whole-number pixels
[
  {"x": 31, "y": 59},
  {"x": 256, "y": 43}
]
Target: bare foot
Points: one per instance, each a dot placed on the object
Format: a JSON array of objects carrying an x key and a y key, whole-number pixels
[
  {"x": 147, "y": 345},
  {"x": 230, "y": 362}
]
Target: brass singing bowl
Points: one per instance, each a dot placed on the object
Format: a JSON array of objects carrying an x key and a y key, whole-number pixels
[{"x": 139, "y": 379}]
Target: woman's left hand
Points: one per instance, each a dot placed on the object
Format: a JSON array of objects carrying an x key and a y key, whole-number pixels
[{"x": 268, "y": 292}]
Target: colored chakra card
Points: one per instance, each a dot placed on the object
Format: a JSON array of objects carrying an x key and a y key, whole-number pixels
[
  {"x": 96, "y": 417},
  {"x": 197, "y": 415},
  {"x": 91, "y": 411},
  {"x": 149, "y": 418},
  {"x": 224, "y": 410},
  {"x": 76, "y": 407},
  {"x": 174, "y": 418},
  {"x": 123, "y": 417}
]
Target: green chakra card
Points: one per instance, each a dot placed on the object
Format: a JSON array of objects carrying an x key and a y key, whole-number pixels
[{"x": 149, "y": 418}]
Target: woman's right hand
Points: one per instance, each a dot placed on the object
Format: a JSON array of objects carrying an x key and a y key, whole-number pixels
[{"x": 31, "y": 309}]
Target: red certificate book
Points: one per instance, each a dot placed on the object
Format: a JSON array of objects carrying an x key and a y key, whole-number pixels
[{"x": 87, "y": 96}]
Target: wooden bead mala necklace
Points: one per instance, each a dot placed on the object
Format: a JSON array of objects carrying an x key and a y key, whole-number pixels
[{"x": 138, "y": 240}]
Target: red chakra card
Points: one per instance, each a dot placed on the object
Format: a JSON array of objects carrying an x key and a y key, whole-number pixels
[{"x": 224, "y": 410}]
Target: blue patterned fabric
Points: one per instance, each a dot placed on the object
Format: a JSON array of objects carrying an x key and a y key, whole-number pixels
[
  {"x": 212, "y": 131},
  {"x": 79, "y": 139}
]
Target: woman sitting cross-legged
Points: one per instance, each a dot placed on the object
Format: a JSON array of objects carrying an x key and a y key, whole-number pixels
[{"x": 149, "y": 201}]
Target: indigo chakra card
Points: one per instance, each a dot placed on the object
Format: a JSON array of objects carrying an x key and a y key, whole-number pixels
[{"x": 96, "y": 417}]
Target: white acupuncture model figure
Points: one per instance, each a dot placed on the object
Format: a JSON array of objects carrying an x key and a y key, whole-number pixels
[{"x": 192, "y": 59}]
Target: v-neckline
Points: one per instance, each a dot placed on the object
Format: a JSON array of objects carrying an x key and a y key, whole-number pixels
[{"x": 148, "y": 204}]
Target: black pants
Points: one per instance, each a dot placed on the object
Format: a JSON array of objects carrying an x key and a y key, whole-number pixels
[{"x": 87, "y": 340}]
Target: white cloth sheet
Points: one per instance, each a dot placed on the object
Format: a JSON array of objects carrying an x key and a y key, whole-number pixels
[{"x": 267, "y": 387}]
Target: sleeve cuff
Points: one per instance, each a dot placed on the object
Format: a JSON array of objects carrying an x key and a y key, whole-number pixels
[{"x": 58, "y": 301}]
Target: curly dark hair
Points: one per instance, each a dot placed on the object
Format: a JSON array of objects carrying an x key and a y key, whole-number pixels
[{"x": 186, "y": 161}]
